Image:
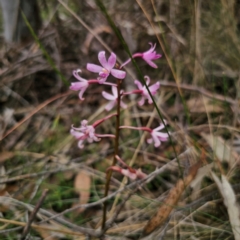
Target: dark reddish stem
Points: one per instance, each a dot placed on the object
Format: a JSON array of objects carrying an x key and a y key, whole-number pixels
[{"x": 116, "y": 152}]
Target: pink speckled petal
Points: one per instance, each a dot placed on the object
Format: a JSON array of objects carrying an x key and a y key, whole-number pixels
[
  {"x": 141, "y": 102},
  {"x": 102, "y": 59},
  {"x": 111, "y": 61},
  {"x": 81, "y": 93},
  {"x": 162, "y": 136},
  {"x": 129, "y": 174},
  {"x": 118, "y": 73},
  {"x": 108, "y": 96},
  {"x": 153, "y": 89},
  {"x": 102, "y": 80},
  {"x": 150, "y": 101},
  {"x": 94, "y": 68},
  {"x": 77, "y": 76},
  {"x": 159, "y": 128},
  {"x": 123, "y": 105},
  {"x": 157, "y": 142},
  {"x": 147, "y": 79},
  {"x": 114, "y": 91},
  {"x": 152, "y": 64},
  {"x": 110, "y": 105},
  {"x": 76, "y": 134},
  {"x": 150, "y": 141},
  {"x": 139, "y": 85},
  {"x": 76, "y": 86}
]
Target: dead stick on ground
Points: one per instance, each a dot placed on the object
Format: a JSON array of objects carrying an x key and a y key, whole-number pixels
[{"x": 33, "y": 214}]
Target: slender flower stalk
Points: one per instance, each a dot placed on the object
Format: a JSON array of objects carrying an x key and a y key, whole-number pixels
[{"x": 116, "y": 150}]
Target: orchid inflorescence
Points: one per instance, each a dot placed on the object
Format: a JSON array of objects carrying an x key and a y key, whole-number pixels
[{"x": 109, "y": 67}]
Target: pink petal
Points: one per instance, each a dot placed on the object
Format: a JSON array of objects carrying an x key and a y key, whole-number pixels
[
  {"x": 139, "y": 85},
  {"x": 157, "y": 142},
  {"x": 94, "y": 68},
  {"x": 147, "y": 79},
  {"x": 102, "y": 80},
  {"x": 159, "y": 128},
  {"x": 118, "y": 73},
  {"x": 76, "y": 134},
  {"x": 150, "y": 101},
  {"x": 111, "y": 61},
  {"x": 84, "y": 123},
  {"x": 123, "y": 105},
  {"x": 152, "y": 64},
  {"x": 149, "y": 141},
  {"x": 110, "y": 105},
  {"x": 81, "y": 93},
  {"x": 80, "y": 144},
  {"x": 108, "y": 96},
  {"x": 153, "y": 89},
  {"x": 90, "y": 140},
  {"x": 76, "y": 75},
  {"x": 129, "y": 174},
  {"x": 141, "y": 102},
  {"x": 76, "y": 86},
  {"x": 162, "y": 136},
  {"x": 102, "y": 59},
  {"x": 115, "y": 92}
]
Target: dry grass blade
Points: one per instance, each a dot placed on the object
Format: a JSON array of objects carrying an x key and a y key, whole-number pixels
[
  {"x": 222, "y": 150},
  {"x": 230, "y": 203},
  {"x": 171, "y": 200}
]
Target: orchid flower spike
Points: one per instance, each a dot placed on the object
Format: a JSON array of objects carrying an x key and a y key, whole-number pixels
[
  {"x": 113, "y": 99},
  {"x": 107, "y": 67},
  {"x": 82, "y": 85}
]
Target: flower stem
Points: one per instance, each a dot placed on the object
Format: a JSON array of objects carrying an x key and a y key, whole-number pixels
[{"x": 116, "y": 150}]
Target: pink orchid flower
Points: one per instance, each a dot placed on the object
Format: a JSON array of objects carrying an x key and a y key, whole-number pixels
[
  {"x": 157, "y": 136},
  {"x": 129, "y": 172},
  {"x": 107, "y": 67},
  {"x": 144, "y": 92},
  {"x": 82, "y": 85},
  {"x": 150, "y": 55},
  {"x": 147, "y": 56},
  {"x": 87, "y": 132},
  {"x": 113, "y": 99}
]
